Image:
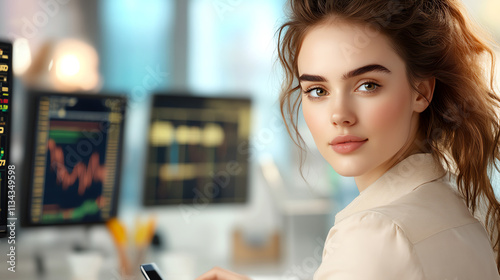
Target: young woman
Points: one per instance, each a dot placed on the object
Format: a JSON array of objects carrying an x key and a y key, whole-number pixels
[{"x": 400, "y": 95}]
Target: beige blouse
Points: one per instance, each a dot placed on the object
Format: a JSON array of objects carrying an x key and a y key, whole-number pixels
[{"x": 409, "y": 224}]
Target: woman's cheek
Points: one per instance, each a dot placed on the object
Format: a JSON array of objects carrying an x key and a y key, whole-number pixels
[
  {"x": 387, "y": 115},
  {"x": 315, "y": 120},
  {"x": 311, "y": 121}
]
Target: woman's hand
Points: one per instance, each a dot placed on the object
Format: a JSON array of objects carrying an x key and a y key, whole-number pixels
[{"x": 218, "y": 273}]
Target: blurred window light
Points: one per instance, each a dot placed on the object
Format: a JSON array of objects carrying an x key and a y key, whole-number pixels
[
  {"x": 485, "y": 12},
  {"x": 135, "y": 38},
  {"x": 227, "y": 47},
  {"x": 489, "y": 14}
]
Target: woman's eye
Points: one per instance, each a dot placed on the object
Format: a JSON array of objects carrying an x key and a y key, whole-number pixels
[
  {"x": 368, "y": 87},
  {"x": 317, "y": 92}
]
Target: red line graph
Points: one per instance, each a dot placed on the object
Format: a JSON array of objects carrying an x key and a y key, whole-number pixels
[{"x": 86, "y": 174}]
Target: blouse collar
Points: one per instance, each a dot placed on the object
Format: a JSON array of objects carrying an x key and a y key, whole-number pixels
[{"x": 401, "y": 179}]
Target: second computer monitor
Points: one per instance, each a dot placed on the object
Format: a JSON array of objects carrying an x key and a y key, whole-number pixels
[{"x": 197, "y": 150}]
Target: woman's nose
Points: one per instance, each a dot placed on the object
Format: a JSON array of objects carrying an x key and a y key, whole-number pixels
[
  {"x": 342, "y": 115},
  {"x": 342, "y": 120}
]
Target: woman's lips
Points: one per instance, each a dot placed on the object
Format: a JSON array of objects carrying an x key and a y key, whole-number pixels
[{"x": 347, "y": 147}]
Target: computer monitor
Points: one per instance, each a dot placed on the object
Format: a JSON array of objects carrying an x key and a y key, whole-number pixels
[
  {"x": 7, "y": 188},
  {"x": 197, "y": 150},
  {"x": 73, "y": 160}
]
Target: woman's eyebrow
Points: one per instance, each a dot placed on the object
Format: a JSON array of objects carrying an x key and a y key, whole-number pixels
[
  {"x": 356, "y": 72},
  {"x": 311, "y": 78},
  {"x": 365, "y": 69}
]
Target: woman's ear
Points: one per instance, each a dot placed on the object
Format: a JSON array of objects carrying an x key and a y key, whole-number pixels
[{"x": 424, "y": 95}]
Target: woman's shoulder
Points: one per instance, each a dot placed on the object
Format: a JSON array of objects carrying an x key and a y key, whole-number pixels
[
  {"x": 428, "y": 231},
  {"x": 428, "y": 210}
]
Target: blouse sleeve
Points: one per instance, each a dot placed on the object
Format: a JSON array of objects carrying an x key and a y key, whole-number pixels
[{"x": 366, "y": 246}]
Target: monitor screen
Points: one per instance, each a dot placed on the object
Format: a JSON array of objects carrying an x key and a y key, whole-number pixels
[
  {"x": 7, "y": 171},
  {"x": 74, "y": 159},
  {"x": 197, "y": 150}
]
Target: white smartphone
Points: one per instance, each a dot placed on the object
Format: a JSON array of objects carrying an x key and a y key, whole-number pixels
[{"x": 151, "y": 271}]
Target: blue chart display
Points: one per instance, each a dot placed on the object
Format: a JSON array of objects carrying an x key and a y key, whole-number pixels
[
  {"x": 197, "y": 150},
  {"x": 6, "y": 191},
  {"x": 75, "y": 166}
]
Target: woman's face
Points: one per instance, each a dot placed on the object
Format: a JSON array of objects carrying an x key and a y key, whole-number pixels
[{"x": 355, "y": 91}]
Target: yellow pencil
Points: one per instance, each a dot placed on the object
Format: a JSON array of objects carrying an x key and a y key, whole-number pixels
[{"x": 119, "y": 234}]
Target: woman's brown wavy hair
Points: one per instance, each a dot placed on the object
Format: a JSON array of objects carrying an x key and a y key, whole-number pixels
[{"x": 435, "y": 38}]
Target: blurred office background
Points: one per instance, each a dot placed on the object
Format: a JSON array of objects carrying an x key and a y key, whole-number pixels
[{"x": 203, "y": 48}]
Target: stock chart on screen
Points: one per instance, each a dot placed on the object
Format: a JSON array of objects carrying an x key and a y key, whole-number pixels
[
  {"x": 75, "y": 159},
  {"x": 197, "y": 150}
]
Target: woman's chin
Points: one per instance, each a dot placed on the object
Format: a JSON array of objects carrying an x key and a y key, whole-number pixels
[{"x": 347, "y": 172}]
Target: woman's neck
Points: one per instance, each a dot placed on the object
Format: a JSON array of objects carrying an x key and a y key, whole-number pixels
[{"x": 365, "y": 180}]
